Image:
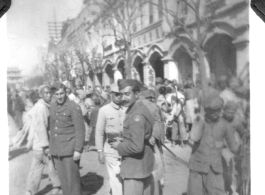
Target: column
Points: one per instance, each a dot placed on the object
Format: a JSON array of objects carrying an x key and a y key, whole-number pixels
[
  {"x": 242, "y": 57},
  {"x": 170, "y": 68},
  {"x": 149, "y": 74}
]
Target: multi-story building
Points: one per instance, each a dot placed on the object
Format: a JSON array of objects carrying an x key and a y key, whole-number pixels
[{"x": 154, "y": 39}]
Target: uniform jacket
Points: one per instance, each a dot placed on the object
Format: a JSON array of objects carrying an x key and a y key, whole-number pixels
[
  {"x": 158, "y": 128},
  {"x": 137, "y": 154},
  {"x": 110, "y": 121},
  {"x": 208, "y": 144},
  {"x": 67, "y": 128}
]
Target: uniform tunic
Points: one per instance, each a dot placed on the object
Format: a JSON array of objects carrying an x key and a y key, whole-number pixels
[
  {"x": 110, "y": 122},
  {"x": 137, "y": 154},
  {"x": 206, "y": 159},
  {"x": 67, "y": 135}
]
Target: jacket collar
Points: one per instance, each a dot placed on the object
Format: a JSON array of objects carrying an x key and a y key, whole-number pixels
[
  {"x": 116, "y": 106},
  {"x": 41, "y": 101},
  {"x": 134, "y": 106}
]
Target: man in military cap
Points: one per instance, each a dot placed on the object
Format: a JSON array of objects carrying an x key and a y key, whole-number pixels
[
  {"x": 208, "y": 134},
  {"x": 110, "y": 123},
  {"x": 67, "y": 133},
  {"x": 136, "y": 151}
]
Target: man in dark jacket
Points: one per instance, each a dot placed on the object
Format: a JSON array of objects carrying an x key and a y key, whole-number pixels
[
  {"x": 136, "y": 151},
  {"x": 67, "y": 139},
  {"x": 208, "y": 134}
]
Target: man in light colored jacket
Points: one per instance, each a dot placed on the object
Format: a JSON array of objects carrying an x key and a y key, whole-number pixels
[
  {"x": 110, "y": 123},
  {"x": 37, "y": 121}
]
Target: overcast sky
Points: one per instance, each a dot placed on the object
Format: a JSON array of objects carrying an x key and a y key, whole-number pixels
[{"x": 27, "y": 28}]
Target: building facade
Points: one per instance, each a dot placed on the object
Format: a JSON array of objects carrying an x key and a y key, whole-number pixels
[{"x": 156, "y": 52}]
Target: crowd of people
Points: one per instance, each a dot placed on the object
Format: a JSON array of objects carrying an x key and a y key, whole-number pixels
[{"x": 128, "y": 124}]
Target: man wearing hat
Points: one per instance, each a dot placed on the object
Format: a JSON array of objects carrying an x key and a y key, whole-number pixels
[
  {"x": 37, "y": 122},
  {"x": 148, "y": 97},
  {"x": 136, "y": 151},
  {"x": 67, "y": 133},
  {"x": 208, "y": 134},
  {"x": 110, "y": 123}
]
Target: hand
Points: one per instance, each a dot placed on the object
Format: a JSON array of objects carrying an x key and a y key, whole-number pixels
[
  {"x": 101, "y": 157},
  {"x": 77, "y": 156},
  {"x": 114, "y": 145},
  {"x": 47, "y": 151},
  {"x": 152, "y": 141}
]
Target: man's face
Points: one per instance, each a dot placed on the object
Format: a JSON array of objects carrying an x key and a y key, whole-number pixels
[
  {"x": 63, "y": 77},
  {"x": 229, "y": 114},
  {"x": 116, "y": 97},
  {"x": 68, "y": 91},
  {"x": 212, "y": 114},
  {"x": 46, "y": 94},
  {"x": 129, "y": 97},
  {"x": 60, "y": 96}
]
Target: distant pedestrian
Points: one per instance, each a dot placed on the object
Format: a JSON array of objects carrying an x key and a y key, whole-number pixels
[
  {"x": 18, "y": 108},
  {"x": 93, "y": 123}
]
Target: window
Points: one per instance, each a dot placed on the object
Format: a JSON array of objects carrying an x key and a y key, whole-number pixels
[
  {"x": 151, "y": 13},
  {"x": 160, "y": 9}
]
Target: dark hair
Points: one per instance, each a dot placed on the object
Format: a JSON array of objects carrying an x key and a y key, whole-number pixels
[
  {"x": 169, "y": 90},
  {"x": 162, "y": 90},
  {"x": 136, "y": 88}
]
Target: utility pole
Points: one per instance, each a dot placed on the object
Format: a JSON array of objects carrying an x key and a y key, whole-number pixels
[{"x": 55, "y": 29}]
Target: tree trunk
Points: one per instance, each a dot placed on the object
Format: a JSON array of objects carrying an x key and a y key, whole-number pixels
[
  {"x": 128, "y": 61},
  {"x": 203, "y": 74}
]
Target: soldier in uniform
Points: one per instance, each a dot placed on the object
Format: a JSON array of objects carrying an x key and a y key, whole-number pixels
[
  {"x": 136, "y": 151},
  {"x": 110, "y": 122},
  {"x": 208, "y": 134},
  {"x": 67, "y": 139}
]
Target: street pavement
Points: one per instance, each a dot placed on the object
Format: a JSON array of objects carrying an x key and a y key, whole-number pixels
[{"x": 95, "y": 178}]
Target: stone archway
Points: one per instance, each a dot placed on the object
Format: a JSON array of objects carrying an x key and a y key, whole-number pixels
[
  {"x": 221, "y": 55},
  {"x": 110, "y": 73},
  {"x": 138, "y": 64},
  {"x": 157, "y": 64},
  {"x": 100, "y": 77},
  {"x": 184, "y": 64},
  {"x": 121, "y": 68}
]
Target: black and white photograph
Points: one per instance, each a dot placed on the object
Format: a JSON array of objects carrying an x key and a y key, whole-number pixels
[{"x": 130, "y": 97}]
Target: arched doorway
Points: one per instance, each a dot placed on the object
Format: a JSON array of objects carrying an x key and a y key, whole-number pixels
[
  {"x": 91, "y": 75},
  {"x": 157, "y": 64},
  {"x": 138, "y": 64},
  {"x": 184, "y": 64},
  {"x": 121, "y": 68},
  {"x": 99, "y": 75},
  {"x": 221, "y": 54},
  {"x": 110, "y": 73}
]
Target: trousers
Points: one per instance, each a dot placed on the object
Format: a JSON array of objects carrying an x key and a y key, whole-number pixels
[
  {"x": 139, "y": 186},
  {"x": 69, "y": 175},
  {"x": 113, "y": 167},
  {"x": 40, "y": 159},
  {"x": 205, "y": 183},
  {"x": 179, "y": 131}
]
